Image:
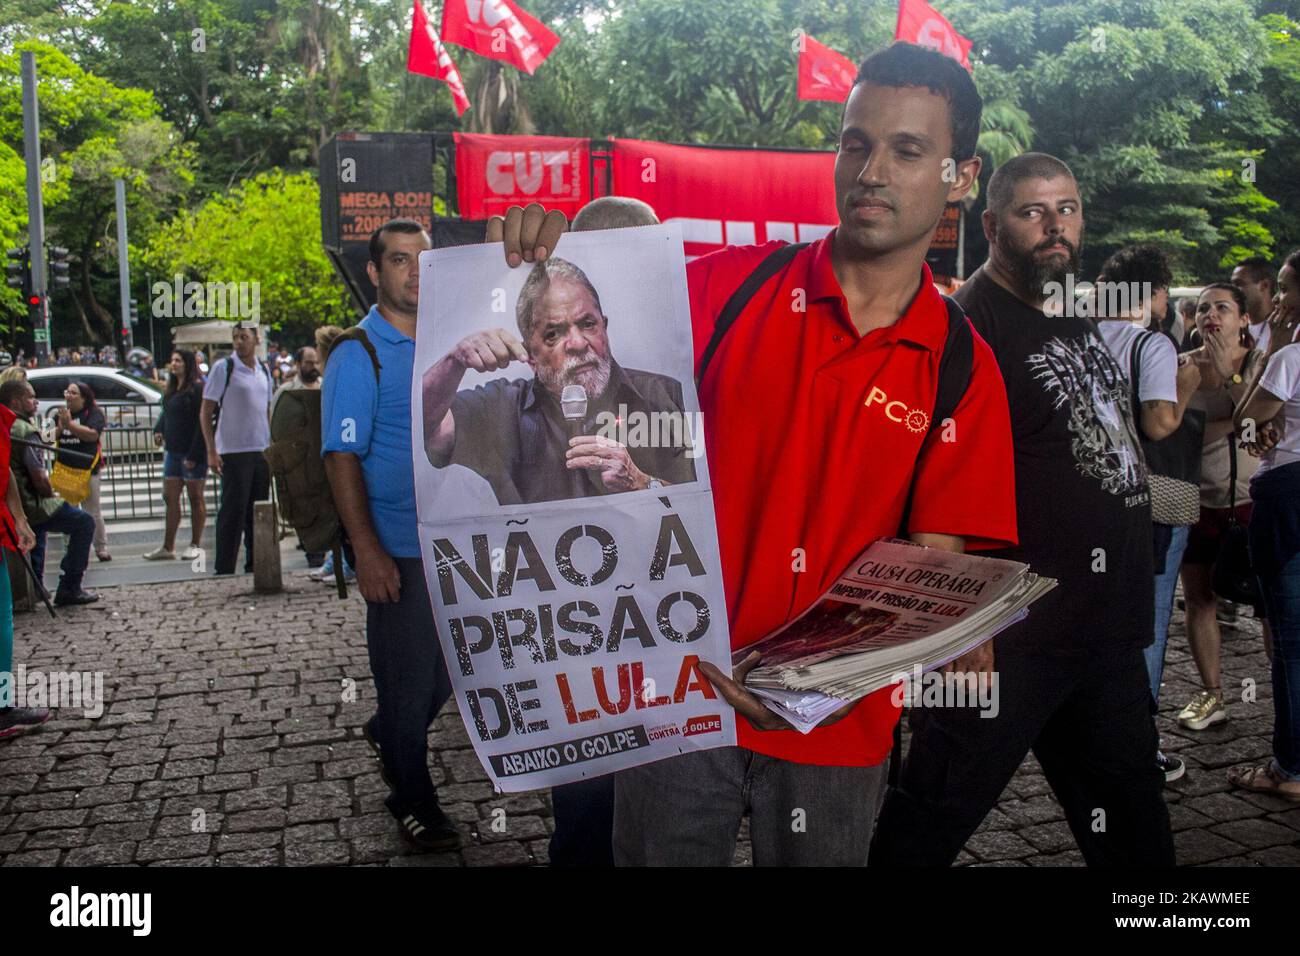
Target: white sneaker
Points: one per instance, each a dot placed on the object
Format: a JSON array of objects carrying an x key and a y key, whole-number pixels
[
  {"x": 190, "y": 553},
  {"x": 160, "y": 554},
  {"x": 320, "y": 574}
]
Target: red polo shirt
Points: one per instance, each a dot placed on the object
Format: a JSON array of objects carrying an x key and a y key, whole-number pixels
[{"x": 814, "y": 435}]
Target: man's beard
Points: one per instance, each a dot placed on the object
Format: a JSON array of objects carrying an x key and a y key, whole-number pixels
[
  {"x": 309, "y": 376},
  {"x": 594, "y": 380},
  {"x": 1032, "y": 275}
]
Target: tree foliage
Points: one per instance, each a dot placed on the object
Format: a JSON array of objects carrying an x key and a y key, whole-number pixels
[
  {"x": 266, "y": 230},
  {"x": 1125, "y": 92},
  {"x": 92, "y": 133}
]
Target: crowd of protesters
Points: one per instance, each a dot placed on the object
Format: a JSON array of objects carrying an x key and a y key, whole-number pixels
[
  {"x": 1124, "y": 460},
  {"x": 1117, "y": 448}
]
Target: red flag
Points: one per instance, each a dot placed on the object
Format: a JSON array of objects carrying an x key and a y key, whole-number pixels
[
  {"x": 498, "y": 30},
  {"x": 823, "y": 73},
  {"x": 920, "y": 23},
  {"x": 427, "y": 56}
]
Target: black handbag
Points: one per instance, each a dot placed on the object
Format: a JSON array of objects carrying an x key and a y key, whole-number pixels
[{"x": 1233, "y": 577}]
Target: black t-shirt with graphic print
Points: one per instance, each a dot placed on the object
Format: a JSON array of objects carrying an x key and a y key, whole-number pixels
[{"x": 1082, "y": 502}]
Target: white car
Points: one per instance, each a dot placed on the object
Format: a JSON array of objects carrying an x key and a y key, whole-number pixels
[{"x": 130, "y": 406}]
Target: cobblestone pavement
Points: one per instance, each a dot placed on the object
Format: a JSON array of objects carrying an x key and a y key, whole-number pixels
[{"x": 231, "y": 743}]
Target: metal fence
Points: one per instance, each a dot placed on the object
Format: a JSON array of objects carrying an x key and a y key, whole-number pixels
[{"x": 131, "y": 480}]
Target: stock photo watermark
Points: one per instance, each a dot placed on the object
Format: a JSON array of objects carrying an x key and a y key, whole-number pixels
[{"x": 74, "y": 690}]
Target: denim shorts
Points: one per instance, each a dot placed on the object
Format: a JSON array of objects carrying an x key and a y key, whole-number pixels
[{"x": 174, "y": 467}]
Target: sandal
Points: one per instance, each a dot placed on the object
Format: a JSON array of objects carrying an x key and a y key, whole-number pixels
[{"x": 1264, "y": 779}]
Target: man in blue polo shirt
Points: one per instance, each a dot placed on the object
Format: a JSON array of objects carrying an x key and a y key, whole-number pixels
[{"x": 366, "y": 443}]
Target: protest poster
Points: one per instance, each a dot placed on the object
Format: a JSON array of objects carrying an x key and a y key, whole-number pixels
[{"x": 565, "y": 510}]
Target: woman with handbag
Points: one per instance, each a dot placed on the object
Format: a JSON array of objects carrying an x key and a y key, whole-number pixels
[
  {"x": 79, "y": 427},
  {"x": 1269, "y": 422},
  {"x": 1161, "y": 386},
  {"x": 1229, "y": 365}
]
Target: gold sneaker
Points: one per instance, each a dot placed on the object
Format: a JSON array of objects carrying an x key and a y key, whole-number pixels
[{"x": 1205, "y": 710}]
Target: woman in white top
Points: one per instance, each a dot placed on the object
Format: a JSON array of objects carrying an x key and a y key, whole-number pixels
[
  {"x": 1269, "y": 422},
  {"x": 1229, "y": 366}
]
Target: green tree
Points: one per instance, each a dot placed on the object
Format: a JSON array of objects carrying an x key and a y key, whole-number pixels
[
  {"x": 1266, "y": 122},
  {"x": 266, "y": 230},
  {"x": 92, "y": 132},
  {"x": 1121, "y": 90}
]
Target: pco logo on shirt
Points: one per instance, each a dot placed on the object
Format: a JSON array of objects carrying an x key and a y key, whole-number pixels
[{"x": 916, "y": 419}]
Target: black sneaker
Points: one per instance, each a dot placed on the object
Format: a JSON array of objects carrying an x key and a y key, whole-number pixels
[
  {"x": 368, "y": 733},
  {"x": 17, "y": 720},
  {"x": 1171, "y": 767},
  {"x": 64, "y": 598},
  {"x": 426, "y": 826},
  {"x": 1227, "y": 613}
]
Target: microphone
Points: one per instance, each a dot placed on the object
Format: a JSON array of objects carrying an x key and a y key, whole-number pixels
[{"x": 573, "y": 403}]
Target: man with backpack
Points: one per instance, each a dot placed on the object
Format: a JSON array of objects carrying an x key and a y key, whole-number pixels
[
  {"x": 238, "y": 396},
  {"x": 366, "y": 444},
  {"x": 844, "y": 401}
]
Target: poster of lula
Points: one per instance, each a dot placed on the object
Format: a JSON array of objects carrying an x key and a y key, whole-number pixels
[{"x": 566, "y": 514}]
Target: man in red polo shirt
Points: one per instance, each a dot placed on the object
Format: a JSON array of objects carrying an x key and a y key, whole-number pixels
[{"x": 817, "y": 405}]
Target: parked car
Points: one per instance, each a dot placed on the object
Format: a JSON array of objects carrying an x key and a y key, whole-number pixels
[{"x": 130, "y": 406}]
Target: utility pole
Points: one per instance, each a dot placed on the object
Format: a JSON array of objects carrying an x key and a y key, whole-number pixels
[
  {"x": 123, "y": 268},
  {"x": 38, "y": 300},
  {"x": 148, "y": 288}
]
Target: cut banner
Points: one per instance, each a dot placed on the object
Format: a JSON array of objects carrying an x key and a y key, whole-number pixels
[
  {"x": 730, "y": 196},
  {"x": 565, "y": 509},
  {"x": 494, "y": 173}
]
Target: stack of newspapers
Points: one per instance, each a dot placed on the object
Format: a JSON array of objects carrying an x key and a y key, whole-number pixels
[{"x": 900, "y": 609}]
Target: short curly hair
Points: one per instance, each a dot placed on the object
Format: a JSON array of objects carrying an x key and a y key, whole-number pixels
[{"x": 1145, "y": 262}]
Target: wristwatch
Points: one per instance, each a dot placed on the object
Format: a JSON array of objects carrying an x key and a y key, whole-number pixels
[
  {"x": 1235, "y": 379},
  {"x": 655, "y": 484}
]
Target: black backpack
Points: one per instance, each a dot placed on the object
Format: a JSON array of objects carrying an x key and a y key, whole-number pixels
[
  {"x": 954, "y": 365},
  {"x": 294, "y": 458}
]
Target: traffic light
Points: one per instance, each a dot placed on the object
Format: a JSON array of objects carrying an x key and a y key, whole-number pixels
[
  {"x": 58, "y": 264},
  {"x": 135, "y": 312},
  {"x": 19, "y": 271}
]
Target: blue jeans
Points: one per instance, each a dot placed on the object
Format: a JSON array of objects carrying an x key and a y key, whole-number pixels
[
  {"x": 1282, "y": 600},
  {"x": 328, "y": 566},
  {"x": 80, "y": 529},
  {"x": 1275, "y": 556},
  {"x": 174, "y": 467},
  {"x": 1166, "y": 583},
  {"x": 411, "y": 684},
  {"x": 6, "y": 624}
]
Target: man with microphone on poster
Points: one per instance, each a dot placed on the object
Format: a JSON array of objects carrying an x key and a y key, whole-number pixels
[{"x": 548, "y": 437}]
